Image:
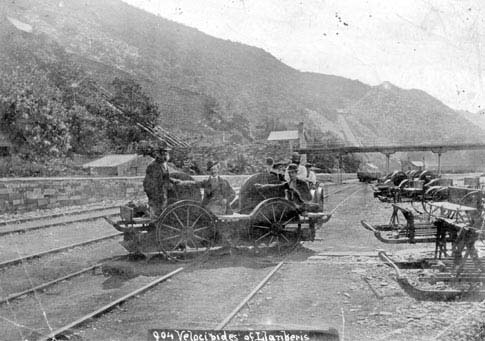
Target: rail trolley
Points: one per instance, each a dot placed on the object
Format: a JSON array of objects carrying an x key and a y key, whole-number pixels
[{"x": 262, "y": 217}]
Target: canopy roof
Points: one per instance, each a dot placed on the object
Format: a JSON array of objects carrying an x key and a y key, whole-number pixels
[{"x": 283, "y": 135}]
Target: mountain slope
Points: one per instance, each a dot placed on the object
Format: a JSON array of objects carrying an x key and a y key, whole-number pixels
[{"x": 194, "y": 77}]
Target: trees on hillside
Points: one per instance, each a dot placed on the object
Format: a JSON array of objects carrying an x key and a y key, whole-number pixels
[
  {"x": 135, "y": 107},
  {"x": 52, "y": 114},
  {"x": 33, "y": 113}
]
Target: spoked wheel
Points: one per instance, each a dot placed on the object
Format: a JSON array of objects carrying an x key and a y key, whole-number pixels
[
  {"x": 185, "y": 227},
  {"x": 275, "y": 220},
  {"x": 435, "y": 193}
]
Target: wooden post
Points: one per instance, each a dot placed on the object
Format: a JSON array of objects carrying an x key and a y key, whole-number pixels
[
  {"x": 388, "y": 156},
  {"x": 302, "y": 142},
  {"x": 439, "y": 164}
]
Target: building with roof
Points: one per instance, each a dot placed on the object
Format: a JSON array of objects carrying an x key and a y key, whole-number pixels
[
  {"x": 284, "y": 135},
  {"x": 119, "y": 165},
  {"x": 407, "y": 165},
  {"x": 292, "y": 138}
]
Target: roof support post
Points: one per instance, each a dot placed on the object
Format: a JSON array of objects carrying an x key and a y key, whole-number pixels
[
  {"x": 439, "y": 151},
  {"x": 388, "y": 154},
  {"x": 302, "y": 141},
  {"x": 340, "y": 167}
]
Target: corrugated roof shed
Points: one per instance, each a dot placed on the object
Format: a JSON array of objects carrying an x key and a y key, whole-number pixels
[
  {"x": 111, "y": 160},
  {"x": 283, "y": 135}
]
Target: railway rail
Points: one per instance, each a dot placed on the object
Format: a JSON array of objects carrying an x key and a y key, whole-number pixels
[
  {"x": 55, "y": 215},
  {"x": 98, "y": 214},
  {"x": 42, "y": 286},
  {"x": 56, "y": 250},
  {"x": 106, "y": 308},
  {"x": 76, "y": 324},
  {"x": 245, "y": 301}
]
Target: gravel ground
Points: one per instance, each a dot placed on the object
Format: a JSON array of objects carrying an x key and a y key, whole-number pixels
[
  {"x": 21, "y": 277},
  {"x": 334, "y": 282},
  {"x": 17, "y": 245},
  {"x": 37, "y": 314},
  {"x": 178, "y": 304}
]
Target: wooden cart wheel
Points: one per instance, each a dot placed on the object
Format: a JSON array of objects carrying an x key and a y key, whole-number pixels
[
  {"x": 275, "y": 220},
  {"x": 185, "y": 227},
  {"x": 435, "y": 193}
]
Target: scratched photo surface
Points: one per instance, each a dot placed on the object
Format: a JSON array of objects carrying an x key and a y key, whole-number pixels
[{"x": 242, "y": 170}]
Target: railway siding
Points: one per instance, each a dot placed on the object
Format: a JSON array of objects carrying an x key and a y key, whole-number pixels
[{"x": 334, "y": 282}]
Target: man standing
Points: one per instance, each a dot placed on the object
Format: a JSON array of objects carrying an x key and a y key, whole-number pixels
[{"x": 157, "y": 181}]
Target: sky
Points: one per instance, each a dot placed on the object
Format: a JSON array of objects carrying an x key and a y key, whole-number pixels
[{"x": 433, "y": 45}]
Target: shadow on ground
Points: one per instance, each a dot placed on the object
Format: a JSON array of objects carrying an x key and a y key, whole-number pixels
[{"x": 126, "y": 268}]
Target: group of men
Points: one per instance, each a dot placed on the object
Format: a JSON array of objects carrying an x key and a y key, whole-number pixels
[
  {"x": 298, "y": 182},
  {"x": 304, "y": 172},
  {"x": 218, "y": 193}
]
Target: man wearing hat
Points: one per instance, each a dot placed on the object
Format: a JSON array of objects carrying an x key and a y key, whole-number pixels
[
  {"x": 301, "y": 172},
  {"x": 218, "y": 193},
  {"x": 157, "y": 180},
  {"x": 297, "y": 190},
  {"x": 311, "y": 177}
]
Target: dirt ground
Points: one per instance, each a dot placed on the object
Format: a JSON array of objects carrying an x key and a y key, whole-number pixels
[{"x": 336, "y": 282}]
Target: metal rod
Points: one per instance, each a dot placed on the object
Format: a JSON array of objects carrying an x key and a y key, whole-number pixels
[
  {"x": 47, "y": 284},
  {"x": 107, "y": 307},
  {"x": 379, "y": 296},
  {"x": 40, "y": 254},
  {"x": 248, "y": 297},
  {"x": 174, "y": 140},
  {"x": 38, "y": 227},
  {"x": 56, "y": 215}
]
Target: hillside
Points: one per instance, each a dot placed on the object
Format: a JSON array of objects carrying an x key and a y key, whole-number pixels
[{"x": 204, "y": 85}]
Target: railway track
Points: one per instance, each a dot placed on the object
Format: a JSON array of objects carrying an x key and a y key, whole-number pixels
[
  {"x": 59, "y": 249},
  {"x": 98, "y": 312},
  {"x": 106, "y": 308},
  {"x": 39, "y": 223},
  {"x": 43, "y": 286},
  {"x": 55, "y": 215},
  {"x": 245, "y": 301},
  {"x": 44, "y": 222}
]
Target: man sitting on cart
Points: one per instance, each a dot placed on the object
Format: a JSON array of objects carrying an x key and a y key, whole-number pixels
[
  {"x": 297, "y": 190},
  {"x": 218, "y": 193},
  {"x": 157, "y": 180},
  {"x": 301, "y": 172}
]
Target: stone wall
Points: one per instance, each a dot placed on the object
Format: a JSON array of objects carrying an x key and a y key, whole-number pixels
[{"x": 30, "y": 194}]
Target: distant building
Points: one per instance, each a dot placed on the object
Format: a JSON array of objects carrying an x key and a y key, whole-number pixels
[
  {"x": 292, "y": 138},
  {"x": 119, "y": 165},
  {"x": 283, "y": 135},
  {"x": 407, "y": 165}
]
